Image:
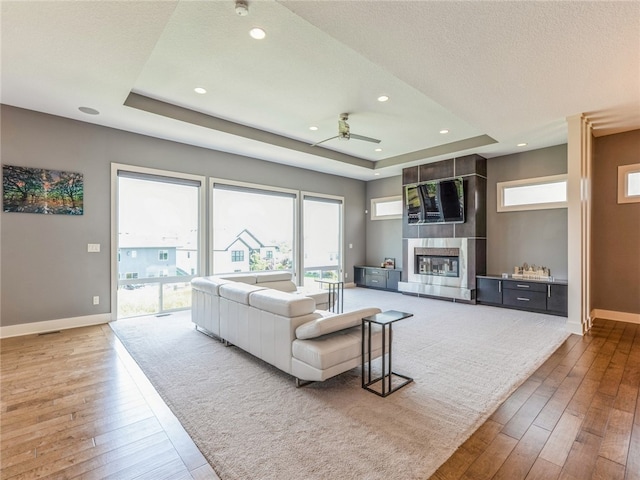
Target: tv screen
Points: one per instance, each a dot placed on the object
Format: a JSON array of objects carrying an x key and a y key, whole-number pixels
[{"x": 438, "y": 201}]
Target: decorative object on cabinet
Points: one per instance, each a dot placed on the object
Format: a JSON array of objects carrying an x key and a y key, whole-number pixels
[
  {"x": 532, "y": 272},
  {"x": 389, "y": 263}
]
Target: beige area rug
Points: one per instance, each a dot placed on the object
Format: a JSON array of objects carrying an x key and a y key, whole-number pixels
[{"x": 251, "y": 422}]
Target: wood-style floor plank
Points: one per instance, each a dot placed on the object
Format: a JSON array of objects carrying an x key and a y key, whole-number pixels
[
  {"x": 74, "y": 404},
  {"x": 577, "y": 417}
]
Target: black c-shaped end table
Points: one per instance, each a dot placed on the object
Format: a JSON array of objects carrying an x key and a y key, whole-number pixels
[{"x": 386, "y": 321}]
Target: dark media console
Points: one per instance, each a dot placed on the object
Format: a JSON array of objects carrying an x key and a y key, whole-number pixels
[
  {"x": 377, "y": 277},
  {"x": 532, "y": 295}
]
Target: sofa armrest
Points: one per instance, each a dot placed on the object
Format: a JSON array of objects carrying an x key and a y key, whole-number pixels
[{"x": 333, "y": 323}]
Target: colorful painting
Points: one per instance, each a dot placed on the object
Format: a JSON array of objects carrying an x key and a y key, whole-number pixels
[{"x": 37, "y": 190}]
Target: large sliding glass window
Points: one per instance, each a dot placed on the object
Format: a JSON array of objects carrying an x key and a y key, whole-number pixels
[
  {"x": 253, "y": 228},
  {"x": 158, "y": 228},
  {"x": 322, "y": 242}
]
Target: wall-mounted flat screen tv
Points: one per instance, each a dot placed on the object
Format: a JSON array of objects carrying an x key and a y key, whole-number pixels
[{"x": 437, "y": 201}]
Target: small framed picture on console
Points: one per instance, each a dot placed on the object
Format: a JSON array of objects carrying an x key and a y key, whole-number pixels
[{"x": 389, "y": 263}]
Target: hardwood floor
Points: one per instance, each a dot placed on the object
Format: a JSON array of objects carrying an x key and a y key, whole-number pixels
[
  {"x": 75, "y": 405},
  {"x": 577, "y": 417}
]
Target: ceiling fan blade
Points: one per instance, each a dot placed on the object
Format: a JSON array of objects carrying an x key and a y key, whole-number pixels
[
  {"x": 322, "y": 141},
  {"x": 366, "y": 139}
]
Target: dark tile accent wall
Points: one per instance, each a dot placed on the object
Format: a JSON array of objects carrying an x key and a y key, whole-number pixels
[
  {"x": 475, "y": 208},
  {"x": 473, "y": 169},
  {"x": 470, "y": 165},
  {"x": 409, "y": 175},
  {"x": 436, "y": 170}
]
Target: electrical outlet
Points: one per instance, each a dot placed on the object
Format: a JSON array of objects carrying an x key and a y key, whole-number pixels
[
  {"x": 96, "y": 300},
  {"x": 93, "y": 247},
  {"x": 346, "y": 275}
]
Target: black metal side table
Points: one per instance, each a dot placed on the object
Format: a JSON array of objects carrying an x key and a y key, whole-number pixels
[
  {"x": 386, "y": 321},
  {"x": 336, "y": 294}
]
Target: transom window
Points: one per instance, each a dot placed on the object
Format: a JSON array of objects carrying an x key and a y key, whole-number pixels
[
  {"x": 532, "y": 194},
  {"x": 386, "y": 208},
  {"x": 629, "y": 183}
]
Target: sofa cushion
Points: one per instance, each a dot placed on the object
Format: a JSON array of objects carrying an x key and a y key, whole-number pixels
[
  {"x": 329, "y": 350},
  {"x": 333, "y": 323},
  {"x": 238, "y": 292},
  {"x": 282, "y": 303},
  {"x": 249, "y": 278},
  {"x": 272, "y": 276},
  {"x": 282, "y": 285},
  {"x": 209, "y": 284}
]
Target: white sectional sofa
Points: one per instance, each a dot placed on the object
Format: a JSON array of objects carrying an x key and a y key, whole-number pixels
[{"x": 283, "y": 328}]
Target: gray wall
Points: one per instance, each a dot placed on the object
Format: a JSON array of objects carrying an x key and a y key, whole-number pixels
[
  {"x": 384, "y": 237},
  {"x": 615, "y": 228},
  {"x": 46, "y": 271},
  {"x": 538, "y": 236}
]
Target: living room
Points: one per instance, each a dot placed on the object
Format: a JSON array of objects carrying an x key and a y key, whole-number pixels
[{"x": 49, "y": 279}]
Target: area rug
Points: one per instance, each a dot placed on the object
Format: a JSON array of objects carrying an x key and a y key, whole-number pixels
[{"x": 250, "y": 421}]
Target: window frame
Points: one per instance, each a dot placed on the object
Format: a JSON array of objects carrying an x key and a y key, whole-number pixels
[
  {"x": 376, "y": 201},
  {"x": 624, "y": 172},
  {"x": 502, "y": 186}
]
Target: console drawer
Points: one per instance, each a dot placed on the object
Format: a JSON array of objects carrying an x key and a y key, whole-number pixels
[
  {"x": 378, "y": 281},
  {"x": 531, "y": 300},
  {"x": 524, "y": 286}
]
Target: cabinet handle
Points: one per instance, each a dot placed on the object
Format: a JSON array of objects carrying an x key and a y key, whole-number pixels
[
  {"x": 499, "y": 286},
  {"x": 549, "y": 291},
  {"x": 522, "y": 286},
  {"x": 523, "y": 299},
  {"x": 374, "y": 281}
]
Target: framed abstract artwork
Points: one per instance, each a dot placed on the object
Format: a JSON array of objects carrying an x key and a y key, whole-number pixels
[{"x": 38, "y": 190}]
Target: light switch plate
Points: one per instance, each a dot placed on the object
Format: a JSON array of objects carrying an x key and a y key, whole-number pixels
[{"x": 93, "y": 247}]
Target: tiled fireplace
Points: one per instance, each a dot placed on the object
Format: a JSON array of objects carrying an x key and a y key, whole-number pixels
[
  {"x": 442, "y": 259},
  {"x": 438, "y": 267}
]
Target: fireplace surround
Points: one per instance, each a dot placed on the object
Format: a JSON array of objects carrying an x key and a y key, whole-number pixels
[
  {"x": 438, "y": 267},
  {"x": 442, "y": 259}
]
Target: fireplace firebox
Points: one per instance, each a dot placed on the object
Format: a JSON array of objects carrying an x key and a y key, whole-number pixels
[{"x": 443, "y": 262}]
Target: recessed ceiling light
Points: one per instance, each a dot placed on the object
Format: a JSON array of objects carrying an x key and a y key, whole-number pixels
[
  {"x": 444, "y": 130},
  {"x": 378, "y": 149},
  {"x": 522, "y": 145},
  {"x": 200, "y": 90},
  {"x": 257, "y": 33},
  {"x": 383, "y": 98},
  {"x": 314, "y": 128},
  {"x": 89, "y": 110}
]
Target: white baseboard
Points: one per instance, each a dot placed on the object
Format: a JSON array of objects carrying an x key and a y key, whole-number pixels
[
  {"x": 53, "y": 325},
  {"x": 613, "y": 315}
]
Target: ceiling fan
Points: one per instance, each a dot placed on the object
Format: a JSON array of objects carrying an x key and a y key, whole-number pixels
[{"x": 344, "y": 133}]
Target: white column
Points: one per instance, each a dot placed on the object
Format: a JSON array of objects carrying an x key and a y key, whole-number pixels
[{"x": 579, "y": 161}]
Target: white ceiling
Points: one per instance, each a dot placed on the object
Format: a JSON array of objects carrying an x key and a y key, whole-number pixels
[{"x": 494, "y": 73}]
